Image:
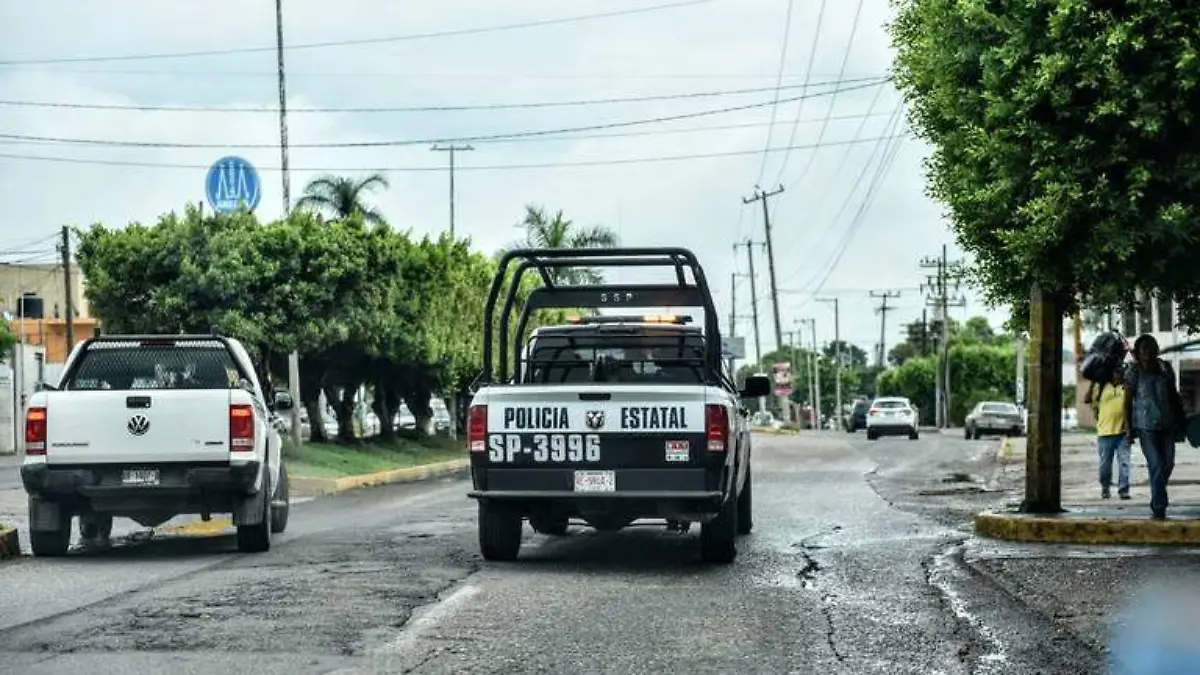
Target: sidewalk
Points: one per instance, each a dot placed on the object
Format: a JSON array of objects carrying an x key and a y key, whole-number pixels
[{"x": 1089, "y": 519}]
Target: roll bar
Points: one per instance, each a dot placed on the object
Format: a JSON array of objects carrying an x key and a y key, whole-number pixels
[{"x": 550, "y": 295}]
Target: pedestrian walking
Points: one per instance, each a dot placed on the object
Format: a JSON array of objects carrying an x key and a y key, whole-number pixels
[
  {"x": 1153, "y": 415},
  {"x": 1108, "y": 401}
]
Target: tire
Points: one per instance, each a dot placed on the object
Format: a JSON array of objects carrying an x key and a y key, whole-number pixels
[
  {"x": 976, "y": 435},
  {"x": 718, "y": 537},
  {"x": 279, "y": 514},
  {"x": 914, "y": 435},
  {"x": 871, "y": 435},
  {"x": 745, "y": 507},
  {"x": 95, "y": 527},
  {"x": 555, "y": 526},
  {"x": 257, "y": 538},
  {"x": 50, "y": 543},
  {"x": 499, "y": 533},
  {"x": 967, "y": 433}
]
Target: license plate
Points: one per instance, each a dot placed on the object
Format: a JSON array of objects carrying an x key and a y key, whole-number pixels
[
  {"x": 139, "y": 477},
  {"x": 595, "y": 481}
]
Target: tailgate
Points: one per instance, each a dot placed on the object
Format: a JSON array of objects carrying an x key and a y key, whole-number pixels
[
  {"x": 597, "y": 427},
  {"x": 158, "y": 425}
]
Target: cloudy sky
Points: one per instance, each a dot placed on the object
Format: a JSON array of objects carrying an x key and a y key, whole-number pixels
[{"x": 852, "y": 218}]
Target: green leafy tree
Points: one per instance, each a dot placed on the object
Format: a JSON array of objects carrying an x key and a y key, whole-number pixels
[
  {"x": 340, "y": 197},
  {"x": 8, "y": 340},
  {"x": 1061, "y": 143}
]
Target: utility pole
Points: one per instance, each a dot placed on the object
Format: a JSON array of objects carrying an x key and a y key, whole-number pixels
[
  {"x": 70, "y": 297},
  {"x": 883, "y": 309},
  {"x": 938, "y": 287},
  {"x": 837, "y": 356},
  {"x": 762, "y": 196},
  {"x": 814, "y": 394},
  {"x": 732, "y": 313},
  {"x": 294, "y": 357},
  {"x": 758, "y": 355},
  {"x": 452, "y": 149}
]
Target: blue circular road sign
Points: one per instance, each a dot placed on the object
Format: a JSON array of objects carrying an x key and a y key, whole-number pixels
[{"x": 232, "y": 183}]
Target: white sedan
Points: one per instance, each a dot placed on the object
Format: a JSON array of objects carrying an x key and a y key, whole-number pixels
[{"x": 892, "y": 416}]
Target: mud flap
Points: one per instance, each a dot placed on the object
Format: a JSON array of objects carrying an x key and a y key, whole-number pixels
[{"x": 249, "y": 511}]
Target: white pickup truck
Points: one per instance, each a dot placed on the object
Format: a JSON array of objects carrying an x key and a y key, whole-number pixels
[
  {"x": 148, "y": 427},
  {"x": 610, "y": 418}
]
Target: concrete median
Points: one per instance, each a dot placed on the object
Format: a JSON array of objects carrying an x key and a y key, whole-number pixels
[
  {"x": 1091, "y": 526},
  {"x": 302, "y": 486}
]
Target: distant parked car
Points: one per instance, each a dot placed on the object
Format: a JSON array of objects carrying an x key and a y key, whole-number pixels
[
  {"x": 994, "y": 417},
  {"x": 857, "y": 419}
]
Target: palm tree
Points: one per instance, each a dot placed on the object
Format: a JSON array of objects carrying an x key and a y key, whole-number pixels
[
  {"x": 558, "y": 232},
  {"x": 340, "y": 197}
]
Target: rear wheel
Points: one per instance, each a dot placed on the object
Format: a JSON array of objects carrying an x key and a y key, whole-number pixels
[
  {"x": 745, "y": 507},
  {"x": 967, "y": 433},
  {"x": 718, "y": 537},
  {"x": 872, "y": 434},
  {"x": 913, "y": 434},
  {"x": 256, "y": 538},
  {"x": 976, "y": 435},
  {"x": 555, "y": 526},
  {"x": 50, "y": 543},
  {"x": 499, "y": 532},
  {"x": 281, "y": 504}
]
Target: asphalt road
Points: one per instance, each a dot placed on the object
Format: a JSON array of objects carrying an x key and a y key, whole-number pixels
[{"x": 856, "y": 566}]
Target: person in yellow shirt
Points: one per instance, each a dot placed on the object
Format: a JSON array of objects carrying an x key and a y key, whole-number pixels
[{"x": 1108, "y": 401}]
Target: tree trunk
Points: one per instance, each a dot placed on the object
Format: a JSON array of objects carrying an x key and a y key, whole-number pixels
[
  {"x": 316, "y": 423},
  {"x": 312, "y": 372},
  {"x": 345, "y": 413},
  {"x": 1043, "y": 450},
  {"x": 384, "y": 408},
  {"x": 418, "y": 405}
]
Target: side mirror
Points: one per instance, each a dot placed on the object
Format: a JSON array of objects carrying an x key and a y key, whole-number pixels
[{"x": 756, "y": 386}]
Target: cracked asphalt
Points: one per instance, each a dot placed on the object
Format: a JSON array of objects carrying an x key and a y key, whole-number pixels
[{"x": 861, "y": 562}]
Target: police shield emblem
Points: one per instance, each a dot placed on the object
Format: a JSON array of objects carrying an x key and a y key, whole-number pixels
[{"x": 594, "y": 419}]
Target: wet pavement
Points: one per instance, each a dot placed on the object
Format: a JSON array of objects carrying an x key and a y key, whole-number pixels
[{"x": 862, "y": 561}]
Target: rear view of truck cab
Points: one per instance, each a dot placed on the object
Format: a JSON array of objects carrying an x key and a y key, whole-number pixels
[
  {"x": 609, "y": 418},
  {"x": 148, "y": 428}
]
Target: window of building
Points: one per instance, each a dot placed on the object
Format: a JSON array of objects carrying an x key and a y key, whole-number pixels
[
  {"x": 1129, "y": 322},
  {"x": 1145, "y": 311},
  {"x": 1166, "y": 315}
]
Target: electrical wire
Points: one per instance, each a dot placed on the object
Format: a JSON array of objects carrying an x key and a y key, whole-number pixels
[
  {"x": 522, "y": 105},
  {"x": 422, "y": 169},
  {"x": 812, "y": 57},
  {"x": 540, "y": 23},
  {"x": 425, "y": 141},
  {"x": 812, "y": 156},
  {"x": 787, "y": 32}
]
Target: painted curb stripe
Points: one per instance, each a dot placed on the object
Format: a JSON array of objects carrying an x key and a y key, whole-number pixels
[
  {"x": 1101, "y": 531},
  {"x": 311, "y": 487}
]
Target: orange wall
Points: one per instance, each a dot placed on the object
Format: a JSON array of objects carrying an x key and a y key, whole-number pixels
[{"x": 53, "y": 334}]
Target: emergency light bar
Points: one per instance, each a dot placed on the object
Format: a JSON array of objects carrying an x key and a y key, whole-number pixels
[{"x": 648, "y": 318}]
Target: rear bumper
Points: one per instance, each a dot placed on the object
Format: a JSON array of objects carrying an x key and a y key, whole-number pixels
[
  {"x": 892, "y": 428},
  {"x": 641, "y": 491},
  {"x": 103, "y": 481}
]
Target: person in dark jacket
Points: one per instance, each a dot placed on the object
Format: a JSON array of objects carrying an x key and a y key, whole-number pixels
[{"x": 1152, "y": 416}]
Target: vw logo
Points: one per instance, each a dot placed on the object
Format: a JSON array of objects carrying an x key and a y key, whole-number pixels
[
  {"x": 594, "y": 419},
  {"x": 138, "y": 425}
]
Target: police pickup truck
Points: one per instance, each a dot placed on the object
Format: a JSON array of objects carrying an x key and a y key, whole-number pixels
[
  {"x": 149, "y": 427},
  {"x": 608, "y": 418}
]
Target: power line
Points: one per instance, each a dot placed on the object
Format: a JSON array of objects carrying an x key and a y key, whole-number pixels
[
  {"x": 787, "y": 31},
  {"x": 812, "y": 156},
  {"x": 812, "y": 57},
  {"x": 575, "y": 137},
  {"x": 360, "y": 41},
  {"x": 520, "y": 105},
  {"x": 394, "y": 143},
  {"x": 420, "y": 169}
]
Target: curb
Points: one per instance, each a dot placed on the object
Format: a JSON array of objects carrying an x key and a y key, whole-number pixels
[
  {"x": 317, "y": 487},
  {"x": 10, "y": 543},
  {"x": 774, "y": 432},
  {"x": 1066, "y": 529}
]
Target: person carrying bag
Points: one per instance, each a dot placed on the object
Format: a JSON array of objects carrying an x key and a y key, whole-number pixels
[{"x": 1154, "y": 416}]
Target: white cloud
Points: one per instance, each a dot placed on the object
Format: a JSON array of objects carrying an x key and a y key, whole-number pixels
[{"x": 716, "y": 45}]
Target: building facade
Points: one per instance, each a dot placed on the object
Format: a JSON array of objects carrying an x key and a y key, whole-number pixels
[{"x": 33, "y": 299}]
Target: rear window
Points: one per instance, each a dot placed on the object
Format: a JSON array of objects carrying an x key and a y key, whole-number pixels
[
  {"x": 891, "y": 404},
  {"x": 626, "y": 355},
  {"x": 1000, "y": 408},
  {"x": 130, "y": 365}
]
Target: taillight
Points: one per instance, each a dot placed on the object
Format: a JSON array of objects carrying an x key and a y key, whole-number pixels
[
  {"x": 35, "y": 431},
  {"x": 874, "y": 411},
  {"x": 241, "y": 428},
  {"x": 716, "y": 424},
  {"x": 477, "y": 428}
]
